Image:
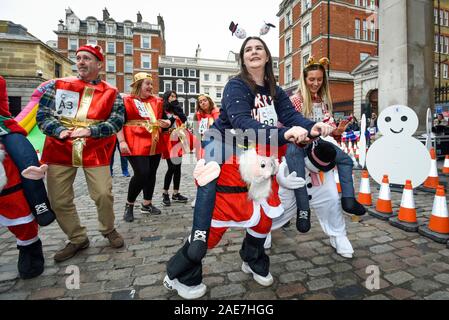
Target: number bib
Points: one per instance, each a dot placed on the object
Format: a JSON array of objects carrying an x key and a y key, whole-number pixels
[
  {"x": 318, "y": 112},
  {"x": 66, "y": 103},
  {"x": 268, "y": 116},
  {"x": 203, "y": 125},
  {"x": 143, "y": 112}
]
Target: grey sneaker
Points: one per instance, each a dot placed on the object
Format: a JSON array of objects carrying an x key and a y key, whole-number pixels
[{"x": 149, "y": 209}]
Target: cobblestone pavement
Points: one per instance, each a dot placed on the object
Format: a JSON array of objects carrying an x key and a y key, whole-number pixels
[{"x": 304, "y": 266}]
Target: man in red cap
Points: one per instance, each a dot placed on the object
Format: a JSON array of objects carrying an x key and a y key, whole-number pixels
[{"x": 80, "y": 117}]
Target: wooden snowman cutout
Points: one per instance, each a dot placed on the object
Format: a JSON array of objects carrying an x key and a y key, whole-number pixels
[{"x": 397, "y": 153}]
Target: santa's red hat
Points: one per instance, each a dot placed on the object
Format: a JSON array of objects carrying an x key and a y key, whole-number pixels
[{"x": 96, "y": 50}]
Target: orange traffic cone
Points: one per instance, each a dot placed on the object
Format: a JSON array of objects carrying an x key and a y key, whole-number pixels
[
  {"x": 438, "y": 227},
  {"x": 406, "y": 219},
  {"x": 337, "y": 180},
  {"x": 383, "y": 205},
  {"x": 365, "y": 190},
  {"x": 445, "y": 169},
  {"x": 432, "y": 180}
]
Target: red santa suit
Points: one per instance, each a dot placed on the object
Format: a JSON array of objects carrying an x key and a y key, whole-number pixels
[
  {"x": 7, "y": 123},
  {"x": 234, "y": 208},
  {"x": 15, "y": 214}
]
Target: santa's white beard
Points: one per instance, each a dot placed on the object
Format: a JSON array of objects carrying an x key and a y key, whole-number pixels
[{"x": 260, "y": 190}]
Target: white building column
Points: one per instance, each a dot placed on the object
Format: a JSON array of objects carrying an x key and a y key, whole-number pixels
[{"x": 406, "y": 55}]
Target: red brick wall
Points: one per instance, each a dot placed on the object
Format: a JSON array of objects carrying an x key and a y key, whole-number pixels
[
  {"x": 63, "y": 43},
  {"x": 136, "y": 59},
  {"x": 119, "y": 47},
  {"x": 119, "y": 64},
  {"x": 155, "y": 76},
  {"x": 82, "y": 42},
  {"x": 120, "y": 83}
]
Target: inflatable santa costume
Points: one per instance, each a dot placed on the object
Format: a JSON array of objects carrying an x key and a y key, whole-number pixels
[{"x": 15, "y": 214}]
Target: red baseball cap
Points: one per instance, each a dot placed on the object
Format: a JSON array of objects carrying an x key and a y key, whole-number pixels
[{"x": 96, "y": 50}]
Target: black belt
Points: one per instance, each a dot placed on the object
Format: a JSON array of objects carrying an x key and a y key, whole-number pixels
[
  {"x": 10, "y": 190},
  {"x": 231, "y": 189}
]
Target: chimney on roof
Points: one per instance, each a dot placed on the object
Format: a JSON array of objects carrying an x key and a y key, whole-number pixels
[
  {"x": 139, "y": 17},
  {"x": 105, "y": 14}
]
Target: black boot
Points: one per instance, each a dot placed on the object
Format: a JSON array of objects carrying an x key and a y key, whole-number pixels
[
  {"x": 351, "y": 205},
  {"x": 303, "y": 220},
  {"x": 31, "y": 260},
  {"x": 128, "y": 216},
  {"x": 253, "y": 254},
  {"x": 43, "y": 213}
]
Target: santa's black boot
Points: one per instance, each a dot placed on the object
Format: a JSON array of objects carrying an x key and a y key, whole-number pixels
[
  {"x": 31, "y": 260},
  {"x": 351, "y": 205},
  {"x": 255, "y": 260},
  {"x": 303, "y": 220}
]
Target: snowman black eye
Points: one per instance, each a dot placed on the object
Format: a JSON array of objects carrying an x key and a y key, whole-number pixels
[
  {"x": 262, "y": 165},
  {"x": 388, "y": 119},
  {"x": 404, "y": 118}
]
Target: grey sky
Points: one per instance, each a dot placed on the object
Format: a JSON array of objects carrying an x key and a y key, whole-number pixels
[{"x": 188, "y": 23}]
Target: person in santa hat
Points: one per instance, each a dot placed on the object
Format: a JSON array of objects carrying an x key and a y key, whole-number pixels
[{"x": 80, "y": 117}]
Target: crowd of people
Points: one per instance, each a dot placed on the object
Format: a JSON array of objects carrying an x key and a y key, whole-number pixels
[{"x": 292, "y": 142}]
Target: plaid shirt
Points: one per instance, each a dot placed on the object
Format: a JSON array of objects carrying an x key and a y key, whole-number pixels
[{"x": 51, "y": 126}]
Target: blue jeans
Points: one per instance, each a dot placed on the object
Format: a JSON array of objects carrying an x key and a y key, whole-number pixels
[
  {"x": 214, "y": 150},
  {"x": 23, "y": 155},
  {"x": 123, "y": 161},
  {"x": 295, "y": 162}
]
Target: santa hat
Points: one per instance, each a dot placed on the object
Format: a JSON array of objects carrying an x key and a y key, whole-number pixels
[
  {"x": 96, "y": 50},
  {"x": 322, "y": 155}
]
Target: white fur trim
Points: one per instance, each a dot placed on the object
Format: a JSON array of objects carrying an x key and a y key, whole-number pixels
[
  {"x": 15, "y": 222},
  {"x": 254, "y": 220},
  {"x": 27, "y": 242},
  {"x": 257, "y": 234}
]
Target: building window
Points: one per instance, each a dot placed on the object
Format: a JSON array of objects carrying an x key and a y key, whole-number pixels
[
  {"x": 180, "y": 86},
  {"x": 145, "y": 42},
  {"x": 275, "y": 64},
  {"x": 128, "y": 66},
  {"x": 192, "y": 87},
  {"x": 58, "y": 70},
  {"x": 91, "y": 27},
  {"x": 372, "y": 4},
  {"x": 167, "y": 72},
  {"x": 435, "y": 16},
  {"x": 441, "y": 44},
  {"x": 446, "y": 45},
  {"x": 92, "y": 42},
  {"x": 357, "y": 29},
  {"x": 181, "y": 103},
  {"x": 218, "y": 93},
  {"x": 306, "y": 4},
  {"x": 288, "y": 18},
  {"x": 357, "y": 2},
  {"x": 445, "y": 71},
  {"x": 288, "y": 45},
  {"x": 192, "y": 104},
  {"x": 218, "y": 77},
  {"x": 110, "y": 65},
  {"x": 146, "y": 63},
  {"x": 128, "y": 48},
  {"x": 364, "y": 3},
  {"x": 206, "y": 90},
  {"x": 128, "y": 31},
  {"x": 441, "y": 18},
  {"x": 436, "y": 43},
  {"x": 436, "y": 70},
  {"x": 373, "y": 31},
  {"x": 180, "y": 72},
  {"x": 110, "y": 78},
  {"x": 167, "y": 86},
  {"x": 306, "y": 32},
  {"x": 128, "y": 81},
  {"x": 304, "y": 60},
  {"x": 288, "y": 73},
  {"x": 192, "y": 73},
  {"x": 446, "y": 18},
  {"x": 73, "y": 44},
  {"x": 111, "y": 47},
  {"x": 363, "y": 56},
  {"x": 365, "y": 31},
  {"x": 110, "y": 29},
  {"x": 206, "y": 77}
]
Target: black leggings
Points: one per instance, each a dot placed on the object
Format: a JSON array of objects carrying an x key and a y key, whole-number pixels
[
  {"x": 174, "y": 170},
  {"x": 144, "y": 178}
]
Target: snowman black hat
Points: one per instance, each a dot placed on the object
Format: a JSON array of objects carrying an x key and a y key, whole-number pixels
[
  {"x": 233, "y": 27},
  {"x": 321, "y": 154}
]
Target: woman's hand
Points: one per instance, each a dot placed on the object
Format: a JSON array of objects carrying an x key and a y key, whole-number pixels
[
  {"x": 80, "y": 133},
  {"x": 296, "y": 135},
  {"x": 124, "y": 148},
  {"x": 164, "y": 123},
  {"x": 321, "y": 129}
]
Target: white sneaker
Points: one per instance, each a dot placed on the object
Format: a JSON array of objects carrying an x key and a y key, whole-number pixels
[
  {"x": 186, "y": 292},
  {"x": 192, "y": 204},
  {"x": 342, "y": 246},
  {"x": 263, "y": 281},
  {"x": 267, "y": 244}
]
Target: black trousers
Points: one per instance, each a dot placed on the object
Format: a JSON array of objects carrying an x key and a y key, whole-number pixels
[
  {"x": 144, "y": 178},
  {"x": 174, "y": 170}
]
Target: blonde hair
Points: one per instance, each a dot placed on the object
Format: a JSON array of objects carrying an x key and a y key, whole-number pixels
[
  {"x": 323, "y": 92},
  {"x": 211, "y": 104}
]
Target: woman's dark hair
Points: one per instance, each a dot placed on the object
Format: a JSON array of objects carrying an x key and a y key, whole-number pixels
[
  {"x": 167, "y": 106},
  {"x": 269, "y": 79}
]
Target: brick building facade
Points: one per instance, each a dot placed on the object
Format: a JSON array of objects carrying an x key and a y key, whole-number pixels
[{"x": 129, "y": 47}]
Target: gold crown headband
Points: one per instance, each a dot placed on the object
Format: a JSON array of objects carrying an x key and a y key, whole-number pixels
[{"x": 322, "y": 62}]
